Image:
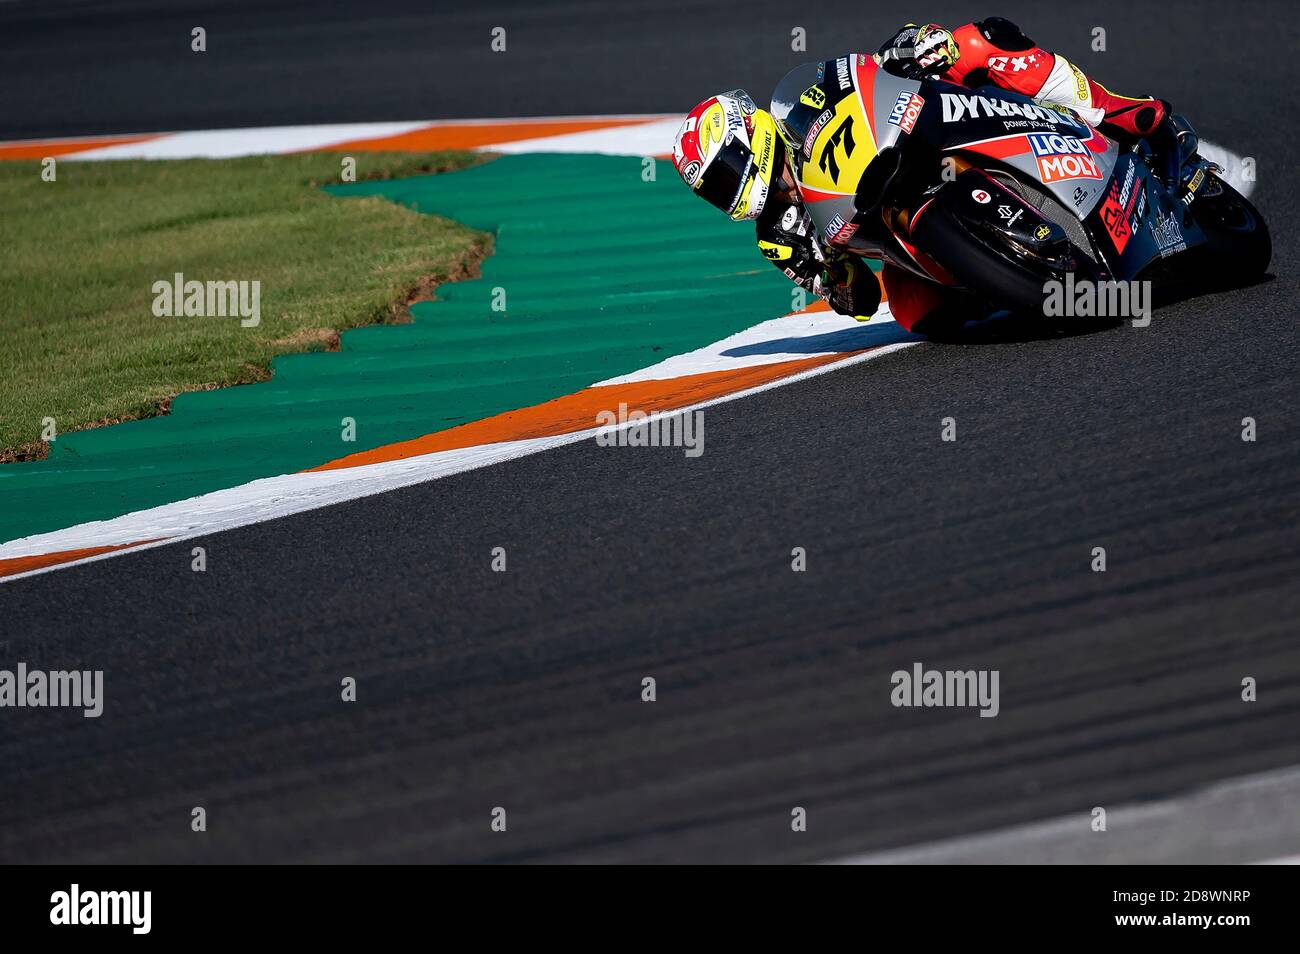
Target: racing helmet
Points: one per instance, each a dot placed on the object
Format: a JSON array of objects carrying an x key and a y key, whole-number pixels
[{"x": 728, "y": 151}]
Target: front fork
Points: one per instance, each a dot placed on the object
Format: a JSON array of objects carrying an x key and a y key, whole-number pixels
[{"x": 1183, "y": 165}]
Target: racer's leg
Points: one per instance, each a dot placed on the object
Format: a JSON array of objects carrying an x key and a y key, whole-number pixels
[
  {"x": 1136, "y": 116},
  {"x": 1125, "y": 118}
]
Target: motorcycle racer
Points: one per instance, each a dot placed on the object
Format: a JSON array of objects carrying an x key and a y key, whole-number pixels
[{"x": 730, "y": 153}]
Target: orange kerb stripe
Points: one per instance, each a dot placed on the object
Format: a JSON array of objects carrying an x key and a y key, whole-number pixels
[
  {"x": 22, "y": 564},
  {"x": 472, "y": 135},
  {"x": 61, "y": 147},
  {"x": 577, "y": 412}
]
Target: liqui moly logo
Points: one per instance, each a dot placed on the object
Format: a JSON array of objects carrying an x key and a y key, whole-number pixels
[
  {"x": 1062, "y": 157},
  {"x": 906, "y": 109}
]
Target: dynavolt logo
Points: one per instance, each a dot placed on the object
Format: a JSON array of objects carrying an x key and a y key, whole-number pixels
[
  {"x": 959, "y": 107},
  {"x": 842, "y": 73}
]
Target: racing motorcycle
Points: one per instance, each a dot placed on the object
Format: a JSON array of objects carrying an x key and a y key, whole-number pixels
[{"x": 987, "y": 191}]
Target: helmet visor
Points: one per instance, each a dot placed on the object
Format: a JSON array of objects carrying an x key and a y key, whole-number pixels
[{"x": 730, "y": 172}]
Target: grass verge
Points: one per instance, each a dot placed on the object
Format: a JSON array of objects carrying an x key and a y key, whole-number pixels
[{"x": 79, "y": 341}]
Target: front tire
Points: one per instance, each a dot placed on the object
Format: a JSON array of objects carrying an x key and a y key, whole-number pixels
[{"x": 997, "y": 273}]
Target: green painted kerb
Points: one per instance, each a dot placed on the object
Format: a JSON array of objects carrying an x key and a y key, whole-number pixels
[{"x": 601, "y": 273}]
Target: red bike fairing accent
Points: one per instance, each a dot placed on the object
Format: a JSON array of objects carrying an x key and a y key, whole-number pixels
[
  {"x": 817, "y": 195},
  {"x": 929, "y": 265},
  {"x": 1096, "y": 141},
  {"x": 866, "y": 75},
  {"x": 1001, "y": 148},
  {"x": 910, "y": 298}
]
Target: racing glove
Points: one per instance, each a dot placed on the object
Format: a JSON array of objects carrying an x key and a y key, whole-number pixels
[
  {"x": 917, "y": 52},
  {"x": 897, "y": 54},
  {"x": 935, "y": 50},
  {"x": 850, "y": 287}
]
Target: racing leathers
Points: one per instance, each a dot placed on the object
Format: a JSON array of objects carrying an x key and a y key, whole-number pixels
[{"x": 994, "y": 50}]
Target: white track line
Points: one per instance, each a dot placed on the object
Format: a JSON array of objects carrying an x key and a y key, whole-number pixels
[
  {"x": 641, "y": 134},
  {"x": 759, "y": 344},
  {"x": 643, "y": 139},
  {"x": 274, "y": 497},
  {"x": 235, "y": 143}
]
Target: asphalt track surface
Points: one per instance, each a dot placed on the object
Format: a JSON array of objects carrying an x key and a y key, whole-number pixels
[{"x": 522, "y": 689}]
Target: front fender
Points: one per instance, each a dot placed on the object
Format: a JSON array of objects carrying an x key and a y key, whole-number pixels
[{"x": 999, "y": 217}]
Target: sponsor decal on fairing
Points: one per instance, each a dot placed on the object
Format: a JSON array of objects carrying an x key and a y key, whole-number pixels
[
  {"x": 813, "y": 96},
  {"x": 1168, "y": 234},
  {"x": 838, "y": 231},
  {"x": 958, "y": 107},
  {"x": 1117, "y": 206},
  {"x": 1008, "y": 216},
  {"x": 1140, "y": 210},
  {"x": 818, "y": 125},
  {"x": 1062, "y": 157},
  {"x": 1114, "y": 218},
  {"x": 906, "y": 108},
  {"x": 842, "y": 74}
]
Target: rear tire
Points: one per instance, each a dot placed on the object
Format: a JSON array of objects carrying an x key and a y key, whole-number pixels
[{"x": 1239, "y": 238}]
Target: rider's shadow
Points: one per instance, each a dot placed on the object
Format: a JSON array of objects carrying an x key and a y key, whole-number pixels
[{"x": 846, "y": 339}]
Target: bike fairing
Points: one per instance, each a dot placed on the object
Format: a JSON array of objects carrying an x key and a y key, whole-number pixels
[{"x": 1061, "y": 141}]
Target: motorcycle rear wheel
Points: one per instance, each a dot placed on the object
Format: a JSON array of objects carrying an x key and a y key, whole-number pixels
[{"x": 1239, "y": 237}]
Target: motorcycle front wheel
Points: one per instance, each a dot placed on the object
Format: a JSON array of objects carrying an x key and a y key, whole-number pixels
[{"x": 997, "y": 271}]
